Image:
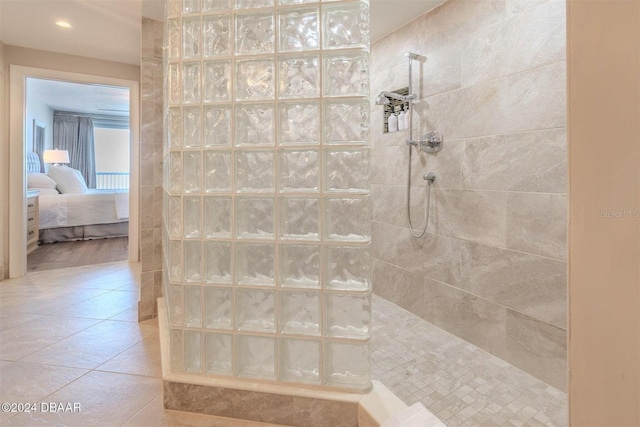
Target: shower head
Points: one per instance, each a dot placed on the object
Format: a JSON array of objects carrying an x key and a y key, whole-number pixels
[
  {"x": 385, "y": 97},
  {"x": 382, "y": 99}
]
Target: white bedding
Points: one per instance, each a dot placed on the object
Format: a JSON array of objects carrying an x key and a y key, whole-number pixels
[{"x": 92, "y": 207}]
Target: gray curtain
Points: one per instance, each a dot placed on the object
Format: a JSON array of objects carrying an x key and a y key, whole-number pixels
[{"x": 75, "y": 134}]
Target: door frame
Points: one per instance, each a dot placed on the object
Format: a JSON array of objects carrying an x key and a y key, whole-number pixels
[{"x": 17, "y": 152}]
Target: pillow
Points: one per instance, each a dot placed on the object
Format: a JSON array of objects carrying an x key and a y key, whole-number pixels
[
  {"x": 46, "y": 191},
  {"x": 40, "y": 180},
  {"x": 69, "y": 180}
]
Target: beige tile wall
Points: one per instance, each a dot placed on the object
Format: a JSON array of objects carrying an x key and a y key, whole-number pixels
[
  {"x": 492, "y": 268},
  {"x": 151, "y": 83}
]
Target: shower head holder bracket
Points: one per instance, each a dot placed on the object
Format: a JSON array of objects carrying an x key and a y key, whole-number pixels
[{"x": 431, "y": 142}]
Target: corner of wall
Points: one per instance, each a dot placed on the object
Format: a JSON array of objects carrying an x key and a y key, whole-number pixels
[{"x": 4, "y": 166}]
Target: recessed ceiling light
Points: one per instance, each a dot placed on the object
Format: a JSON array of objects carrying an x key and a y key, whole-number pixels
[{"x": 63, "y": 24}]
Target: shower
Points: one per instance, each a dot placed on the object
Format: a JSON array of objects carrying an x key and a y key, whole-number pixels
[
  {"x": 385, "y": 98},
  {"x": 431, "y": 142}
]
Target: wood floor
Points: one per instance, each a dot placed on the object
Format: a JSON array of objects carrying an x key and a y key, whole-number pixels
[{"x": 74, "y": 254}]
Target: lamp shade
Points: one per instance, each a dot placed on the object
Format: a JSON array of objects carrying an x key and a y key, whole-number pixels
[{"x": 55, "y": 156}]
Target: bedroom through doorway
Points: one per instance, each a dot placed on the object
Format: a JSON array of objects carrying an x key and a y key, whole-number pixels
[{"x": 78, "y": 159}]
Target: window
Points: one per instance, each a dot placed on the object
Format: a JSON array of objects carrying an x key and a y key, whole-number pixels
[{"x": 112, "y": 158}]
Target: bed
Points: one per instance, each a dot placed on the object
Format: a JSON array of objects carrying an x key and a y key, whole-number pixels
[{"x": 92, "y": 214}]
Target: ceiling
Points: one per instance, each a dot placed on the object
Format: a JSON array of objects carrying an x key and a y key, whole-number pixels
[
  {"x": 79, "y": 98},
  {"x": 110, "y": 29}
]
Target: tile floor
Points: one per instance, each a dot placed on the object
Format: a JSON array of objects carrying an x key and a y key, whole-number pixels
[
  {"x": 71, "y": 335},
  {"x": 459, "y": 383}
]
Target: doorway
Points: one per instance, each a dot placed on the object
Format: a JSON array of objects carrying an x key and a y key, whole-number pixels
[
  {"x": 18, "y": 154},
  {"x": 90, "y": 124}
]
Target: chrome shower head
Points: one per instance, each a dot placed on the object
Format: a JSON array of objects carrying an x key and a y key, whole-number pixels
[
  {"x": 382, "y": 99},
  {"x": 385, "y": 97}
]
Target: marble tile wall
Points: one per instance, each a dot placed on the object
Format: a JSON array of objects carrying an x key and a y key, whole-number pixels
[
  {"x": 492, "y": 268},
  {"x": 151, "y": 83},
  {"x": 259, "y": 406}
]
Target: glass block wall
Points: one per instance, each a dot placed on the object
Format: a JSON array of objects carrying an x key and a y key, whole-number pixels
[{"x": 266, "y": 185}]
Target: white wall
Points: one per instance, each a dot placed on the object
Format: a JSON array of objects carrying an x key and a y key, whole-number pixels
[{"x": 37, "y": 110}]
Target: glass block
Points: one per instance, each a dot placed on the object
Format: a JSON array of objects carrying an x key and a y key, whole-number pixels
[
  {"x": 246, "y": 4},
  {"x": 218, "y": 354},
  {"x": 254, "y": 33},
  {"x": 176, "y": 350},
  {"x": 175, "y": 128},
  {"x": 254, "y": 125},
  {"x": 348, "y": 315},
  {"x": 193, "y": 351},
  {"x": 348, "y": 365},
  {"x": 254, "y": 218},
  {"x": 174, "y": 37},
  {"x": 300, "y": 313},
  {"x": 299, "y": 361},
  {"x": 191, "y": 37},
  {"x": 192, "y": 217},
  {"x": 174, "y": 7},
  {"x": 299, "y": 30},
  {"x": 299, "y": 77},
  {"x": 166, "y": 170},
  {"x": 299, "y": 171},
  {"x": 191, "y": 82},
  {"x": 299, "y": 123},
  {"x": 217, "y": 81},
  {"x": 217, "y": 217},
  {"x": 217, "y": 171},
  {"x": 346, "y": 171},
  {"x": 299, "y": 219},
  {"x": 256, "y": 357},
  {"x": 216, "y": 35},
  {"x": 255, "y": 310},
  {"x": 191, "y": 6},
  {"x": 217, "y": 126},
  {"x": 192, "y": 127},
  {"x": 299, "y": 266},
  {"x": 192, "y": 172},
  {"x": 217, "y": 308},
  {"x": 254, "y": 171},
  {"x": 348, "y": 219},
  {"x": 175, "y": 261},
  {"x": 193, "y": 306},
  {"x": 348, "y": 268},
  {"x": 217, "y": 258},
  {"x": 212, "y": 5},
  {"x": 346, "y": 122},
  {"x": 174, "y": 217},
  {"x": 175, "y": 83},
  {"x": 255, "y": 79},
  {"x": 346, "y": 26},
  {"x": 255, "y": 264},
  {"x": 175, "y": 305},
  {"x": 175, "y": 172},
  {"x": 193, "y": 261},
  {"x": 346, "y": 74}
]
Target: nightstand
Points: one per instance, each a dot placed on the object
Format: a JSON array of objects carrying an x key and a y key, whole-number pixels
[{"x": 32, "y": 220}]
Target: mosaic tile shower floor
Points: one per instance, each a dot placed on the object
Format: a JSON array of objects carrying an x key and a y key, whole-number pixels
[
  {"x": 71, "y": 335},
  {"x": 455, "y": 380}
]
